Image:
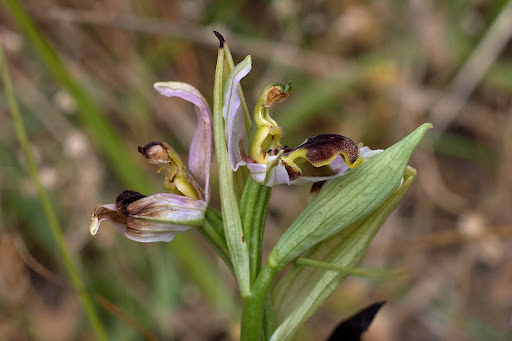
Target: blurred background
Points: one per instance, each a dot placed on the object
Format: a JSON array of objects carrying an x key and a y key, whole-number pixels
[{"x": 371, "y": 70}]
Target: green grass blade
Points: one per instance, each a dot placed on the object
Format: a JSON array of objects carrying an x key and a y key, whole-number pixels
[{"x": 45, "y": 201}]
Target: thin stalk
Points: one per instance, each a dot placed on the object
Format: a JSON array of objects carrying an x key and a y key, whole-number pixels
[
  {"x": 230, "y": 213},
  {"x": 253, "y": 207},
  {"x": 45, "y": 202},
  {"x": 252, "y": 314},
  {"x": 258, "y": 231}
]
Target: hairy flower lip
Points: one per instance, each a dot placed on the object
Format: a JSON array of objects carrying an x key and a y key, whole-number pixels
[
  {"x": 279, "y": 175},
  {"x": 320, "y": 149}
]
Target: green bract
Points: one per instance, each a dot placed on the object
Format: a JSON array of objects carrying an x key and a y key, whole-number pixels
[
  {"x": 347, "y": 199},
  {"x": 304, "y": 289}
]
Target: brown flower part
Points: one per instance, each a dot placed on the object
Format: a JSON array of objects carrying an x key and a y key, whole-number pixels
[
  {"x": 319, "y": 151},
  {"x": 179, "y": 179},
  {"x": 322, "y": 149},
  {"x": 277, "y": 94},
  {"x": 156, "y": 152},
  {"x": 157, "y": 217},
  {"x": 126, "y": 198}
]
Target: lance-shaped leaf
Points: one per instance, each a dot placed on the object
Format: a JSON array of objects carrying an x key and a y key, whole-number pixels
[
  {"x": 157, "y": 217},
  {"x": 304, "y": 289},
  {"x": 235, "y": 127},
  {"x": 346, "y": 200},
  {"x": 201, "y": 147}
]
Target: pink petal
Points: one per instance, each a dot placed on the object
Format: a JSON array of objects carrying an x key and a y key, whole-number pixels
[
  {"x": 235, "y": 120},
  {"x": 201, "y": 147}
]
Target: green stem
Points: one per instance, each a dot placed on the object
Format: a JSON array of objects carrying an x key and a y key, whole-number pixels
[
  {"x": 258, "y": 231},
  {"x": 45, "y": 201},
  {"x": 252, "y": 315},
  {"x": 253, "y": 208},
  {"x": 230, "y": 212}
]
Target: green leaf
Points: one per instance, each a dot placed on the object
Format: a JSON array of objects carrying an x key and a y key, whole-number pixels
[
  {"x": 346, "y": 200},
  {"x": 304, "y": 289}
]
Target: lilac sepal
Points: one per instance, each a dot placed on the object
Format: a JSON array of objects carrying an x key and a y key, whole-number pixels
[
  {"x": 235, "y": 128},
  {"x": 201, "y": 147}
]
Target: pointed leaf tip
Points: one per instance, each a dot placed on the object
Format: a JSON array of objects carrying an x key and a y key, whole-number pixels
[{"x": 221, "y": 39}]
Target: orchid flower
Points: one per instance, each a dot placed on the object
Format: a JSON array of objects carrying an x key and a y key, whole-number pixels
[
  {"x": 319, "y": 158},
  {"x": 160, "y": 216}
]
